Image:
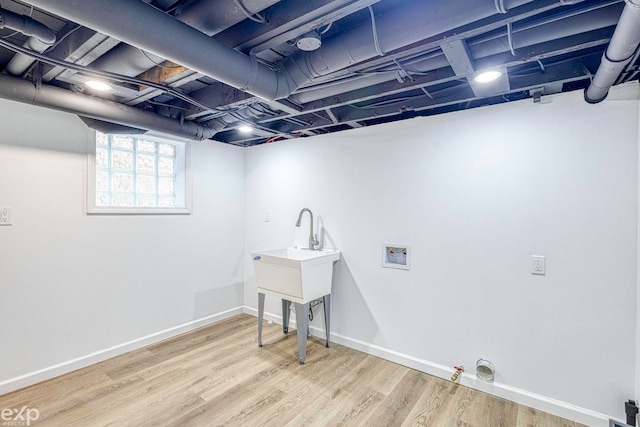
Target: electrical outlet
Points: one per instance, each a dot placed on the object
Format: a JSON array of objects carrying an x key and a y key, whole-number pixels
[
  {"x": 267, "y": 216},
  {"x": 5, "y": 216},
  {"x": 538, "y": 265}
]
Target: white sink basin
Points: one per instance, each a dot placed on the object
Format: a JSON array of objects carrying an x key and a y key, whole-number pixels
[{"x": 293, "y": 274}]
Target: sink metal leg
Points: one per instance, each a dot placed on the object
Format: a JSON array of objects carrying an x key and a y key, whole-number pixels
[
  {"x": 260, "y": 317},
  {"x": 327, "y": 317},
  {"x": 286, "y": 315},
  {"x": 302, "y": 323}
]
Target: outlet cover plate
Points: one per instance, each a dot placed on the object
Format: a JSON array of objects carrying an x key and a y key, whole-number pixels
[
  {"x": 538, "y": 265},
  {"x": 5, "y": 216}
]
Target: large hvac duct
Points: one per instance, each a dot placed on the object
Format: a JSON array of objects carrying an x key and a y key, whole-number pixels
[
  {"x": 529, "y": 35},
  {"x": 395, "y": 29},
  {"x": 47, "y": 96},
  {"x": 40, "y": 39},
  {"x": 108, "y": 127},
  {"x": 214, "y": 18},
  {"x": 144, "y": 27},
  {"x": 623, "y": 45},
  {"x": 147, "y": 28},
  {"x": 200, "y": 14}
]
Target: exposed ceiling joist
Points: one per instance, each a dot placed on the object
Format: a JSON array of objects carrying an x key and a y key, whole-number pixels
[{"x": 372, "y": 66}]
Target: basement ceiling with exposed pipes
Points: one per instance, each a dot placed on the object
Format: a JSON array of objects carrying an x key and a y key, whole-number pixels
[{"x": 247, "y": 72}]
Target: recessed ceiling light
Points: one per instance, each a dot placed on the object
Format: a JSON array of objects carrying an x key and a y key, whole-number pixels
[
  {"x": 487, "y": 76},
  {"x": 245, "y": 128},
  {"x": 97, "y": 85}
]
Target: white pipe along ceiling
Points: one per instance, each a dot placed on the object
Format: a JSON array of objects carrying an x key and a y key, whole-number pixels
[
  {"x": 200, "y": 69},
  {"x": 40, "y": 39}
]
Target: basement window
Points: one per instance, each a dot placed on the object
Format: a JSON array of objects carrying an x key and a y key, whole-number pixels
[{"x": 137, "y": 174}]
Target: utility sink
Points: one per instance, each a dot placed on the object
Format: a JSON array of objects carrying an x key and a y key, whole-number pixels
[{"x": 295, "y": 274}]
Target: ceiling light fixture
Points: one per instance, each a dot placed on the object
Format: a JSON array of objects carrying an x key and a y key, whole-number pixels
[
  {"x": 309, "y": 42},
  {"x": 487, "y": 76},
  {"x": 97, "y": 85},
  {"x": 245, "y": 129}
]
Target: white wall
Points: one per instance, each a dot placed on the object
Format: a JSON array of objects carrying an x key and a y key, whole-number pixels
[
  {"x": 71, "y": 284},
  {"x": 476, "y": 193},
  {"x": 637, "y": 373}
]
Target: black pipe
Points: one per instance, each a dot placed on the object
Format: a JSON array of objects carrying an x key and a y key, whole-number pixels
[{"x": 631, "y": 410}]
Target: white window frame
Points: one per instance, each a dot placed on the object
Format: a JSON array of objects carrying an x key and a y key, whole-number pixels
[{"x": 183, "y": 185}]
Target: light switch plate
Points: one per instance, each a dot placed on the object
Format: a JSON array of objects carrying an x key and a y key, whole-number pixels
[{"x": 538, "y": 264}]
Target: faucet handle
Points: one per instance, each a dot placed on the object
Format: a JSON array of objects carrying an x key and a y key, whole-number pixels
[{"x": 314, "y": 242}]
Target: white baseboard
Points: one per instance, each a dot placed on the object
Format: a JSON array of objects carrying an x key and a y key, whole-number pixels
[
  {"x": 543, "y": 403},
  {"x": 513, "y": 394},
  {"x": 44, "y": 374}
]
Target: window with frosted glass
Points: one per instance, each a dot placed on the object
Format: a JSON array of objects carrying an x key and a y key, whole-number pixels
[{"x": 134, "y": 172}]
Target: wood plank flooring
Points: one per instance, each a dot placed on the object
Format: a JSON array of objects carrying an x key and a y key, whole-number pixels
[{"x": 217, "y": 375}]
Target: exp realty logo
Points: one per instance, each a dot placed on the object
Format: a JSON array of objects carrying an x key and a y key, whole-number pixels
[{"x": 19, "y": 417}]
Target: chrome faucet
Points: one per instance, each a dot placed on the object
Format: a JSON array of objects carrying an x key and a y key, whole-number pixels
[{"x": 313, "y": 239}]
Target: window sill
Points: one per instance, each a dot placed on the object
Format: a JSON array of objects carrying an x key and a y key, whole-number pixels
[{"x": 137, "y": 211}]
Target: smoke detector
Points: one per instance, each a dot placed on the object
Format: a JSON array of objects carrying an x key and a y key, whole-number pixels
[{"x": 309, "y": 42}]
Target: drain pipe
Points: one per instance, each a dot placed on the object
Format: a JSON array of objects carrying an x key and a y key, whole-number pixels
[
  {"x": 622, "y": 46},
  {"x": 21, "y": 90},
  {"x": 631, "y": 409},
  {"x": 40, "y": 39}
]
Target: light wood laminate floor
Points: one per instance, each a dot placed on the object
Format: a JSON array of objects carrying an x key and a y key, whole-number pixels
[{"x": 217, "y": 375}]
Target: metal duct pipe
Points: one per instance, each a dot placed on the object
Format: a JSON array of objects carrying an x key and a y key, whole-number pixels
[
  {"x": 530, "y": 35},
  {"x": 17, "y": 89},
  {"x": 200, "y": 14},
  {"x": 623, "y": 44},
  {"x": 325, "y": 90},
  {"x": 106, "y": 127},
  {"x": 542, "y": 32},
  {"x": 40, "y": 38},
  {"x": 398, "y": 28},
  {"x": 126, "y": 60},
  {"x": 147, "y": 28},
  {"x": 214, "y": 18},
  {"x": 150, "y": 29}
]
